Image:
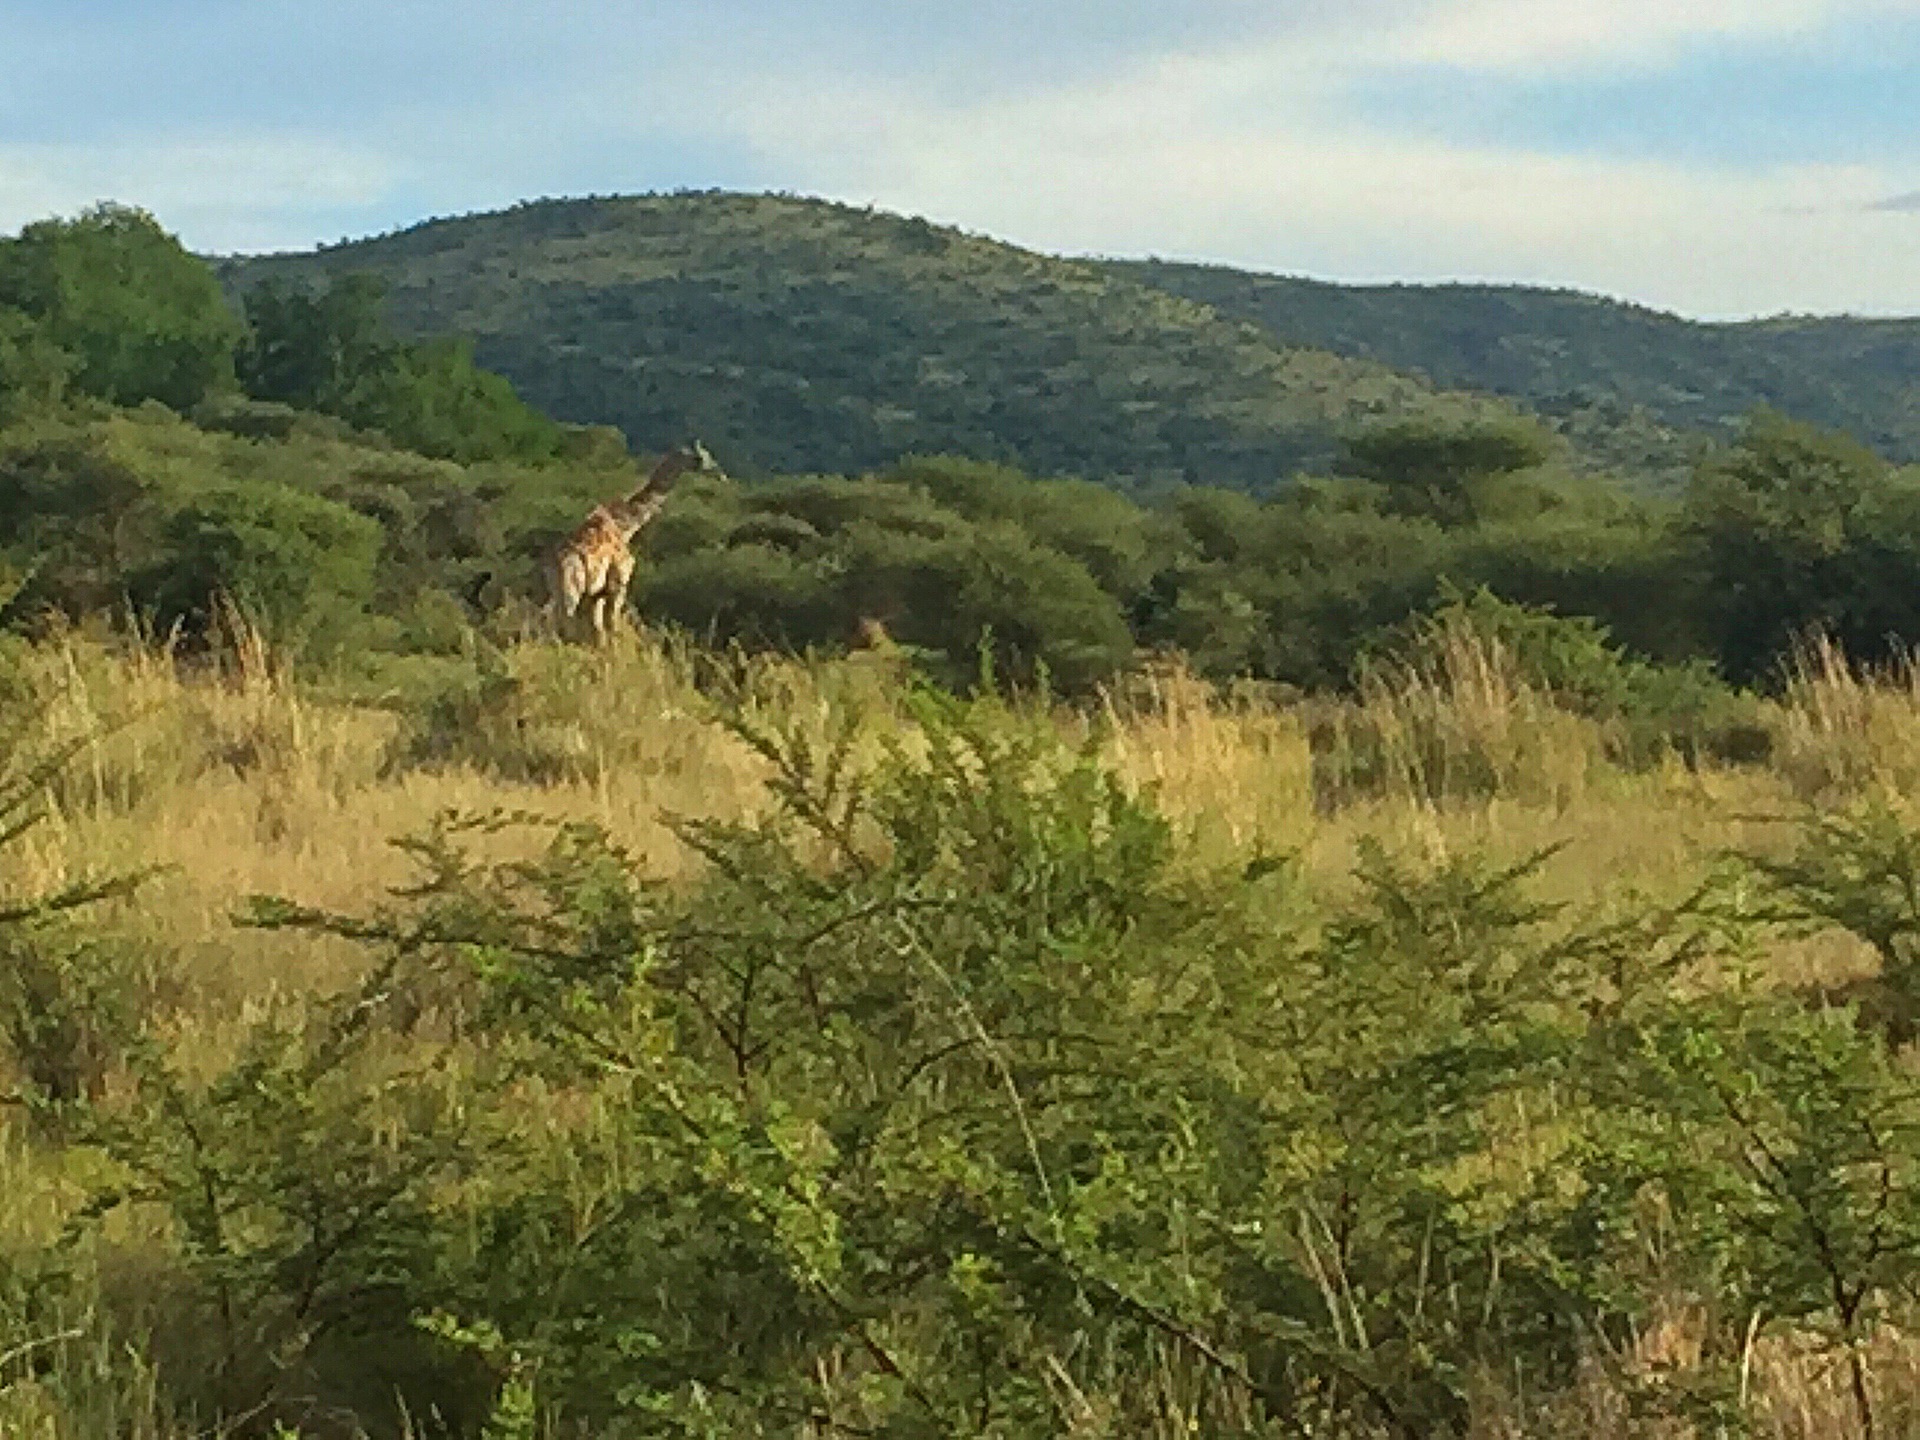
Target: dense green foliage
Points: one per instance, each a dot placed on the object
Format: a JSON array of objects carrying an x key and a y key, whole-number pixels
[
  {"x": 110, "y": 307},
  {"x": 33, "y": 370},
  {"x": 329, "y": 541},
  {"x": 808, "y": 336},
  {"x": 314, "y": 528},
  {"x": 1632, "y": 382},
  {"x": 1445, "y": 473},
  {"x": 1801, "y": 531},
  {"x": 332, "y": 352},
  {"x": 135, "y": 317},
  {"x": 292, "y": 499}
]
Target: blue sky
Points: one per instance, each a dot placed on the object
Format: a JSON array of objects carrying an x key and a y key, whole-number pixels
[{"x": 1718, "y": 157}]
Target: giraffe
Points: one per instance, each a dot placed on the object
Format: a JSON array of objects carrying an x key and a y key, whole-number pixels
[
  {"x": 593, "y": 565},
  {"x": 871, "y": 633},
  {"x": 874, "y": 650}
]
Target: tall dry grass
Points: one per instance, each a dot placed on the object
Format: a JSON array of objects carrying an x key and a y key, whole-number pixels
[
  {"x": 1841, "y": 729},
  {"x": 238, "y": 778},
  {"x": 1457, "y": 721}
]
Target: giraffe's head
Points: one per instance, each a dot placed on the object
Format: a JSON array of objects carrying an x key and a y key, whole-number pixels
[{"x": 690, "y": 458}]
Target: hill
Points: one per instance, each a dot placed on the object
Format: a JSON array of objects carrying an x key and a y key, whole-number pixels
[
  {"x": 1568, "y": 354},
  {"x": 804, "y": 336}
]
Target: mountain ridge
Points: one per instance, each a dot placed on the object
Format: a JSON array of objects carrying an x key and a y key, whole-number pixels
[{"x": 810, "y": 335}]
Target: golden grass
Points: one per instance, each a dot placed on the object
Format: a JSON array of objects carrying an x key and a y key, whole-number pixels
[
  {"x": 238, "y": 780},
  {"x": 1460, "y": 723}
]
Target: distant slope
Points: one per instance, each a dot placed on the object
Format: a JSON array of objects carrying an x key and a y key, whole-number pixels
[
  {"x": 804, "y": 336},
  {"x": 1564, "y": 353}
]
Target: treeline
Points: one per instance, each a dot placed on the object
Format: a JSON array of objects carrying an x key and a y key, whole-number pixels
[
  {"x": 353, "y": 491},
  {"x": 110, "y": 307}
]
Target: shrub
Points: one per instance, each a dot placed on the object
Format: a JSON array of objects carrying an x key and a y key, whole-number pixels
[
  {"x": 300, "y": 565},
  {"x": 1789, "y": 1145},
  {"x": 1858, "y": 870},
  {"x": 947, "y": 1063}
]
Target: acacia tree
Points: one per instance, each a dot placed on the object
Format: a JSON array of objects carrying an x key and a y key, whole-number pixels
[
  {"x": 1796, "y": 529},
  {"x": 1438, "y": 470}
]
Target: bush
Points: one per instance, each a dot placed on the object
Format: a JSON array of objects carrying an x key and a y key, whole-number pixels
[
  {"x": 1649, "y": 711},
  {"x": 812, "y": 561},
  {"x": 301, "y": 566},
  {"x": 946, "y": 1064}
]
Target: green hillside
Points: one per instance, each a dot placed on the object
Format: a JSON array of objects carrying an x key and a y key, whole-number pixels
[
  {"x": 803, "y": 336},
  {"x": 1583, "y": 358}
]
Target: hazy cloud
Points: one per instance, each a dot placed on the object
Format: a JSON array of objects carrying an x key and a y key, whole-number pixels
[{"x": 1531, "y": 34}]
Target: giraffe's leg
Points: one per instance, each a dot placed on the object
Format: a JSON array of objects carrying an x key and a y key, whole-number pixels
[
  {"x": 556, "y": 600},
  {"x": 617, "y": 581},
  {"x": 569, "y": 582}
]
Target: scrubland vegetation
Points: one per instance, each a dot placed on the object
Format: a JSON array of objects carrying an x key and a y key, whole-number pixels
[
  {"x": 1428, "y": 952},
  {"x": 773, "y": 1047},
  {"x": 806, "y": 337}
]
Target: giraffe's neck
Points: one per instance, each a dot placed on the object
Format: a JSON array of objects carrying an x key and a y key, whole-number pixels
[
  {"x": 671, "y": 467},
  {"x": 633, "y": 514}
]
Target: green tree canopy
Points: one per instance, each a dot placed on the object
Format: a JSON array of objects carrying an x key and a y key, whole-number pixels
[
  {"x": 1799, "y": 530},
  {"x": 141, "y": 318},
  {"x": 33, "y": 370},
  {"x": 308, "y": 349}
]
